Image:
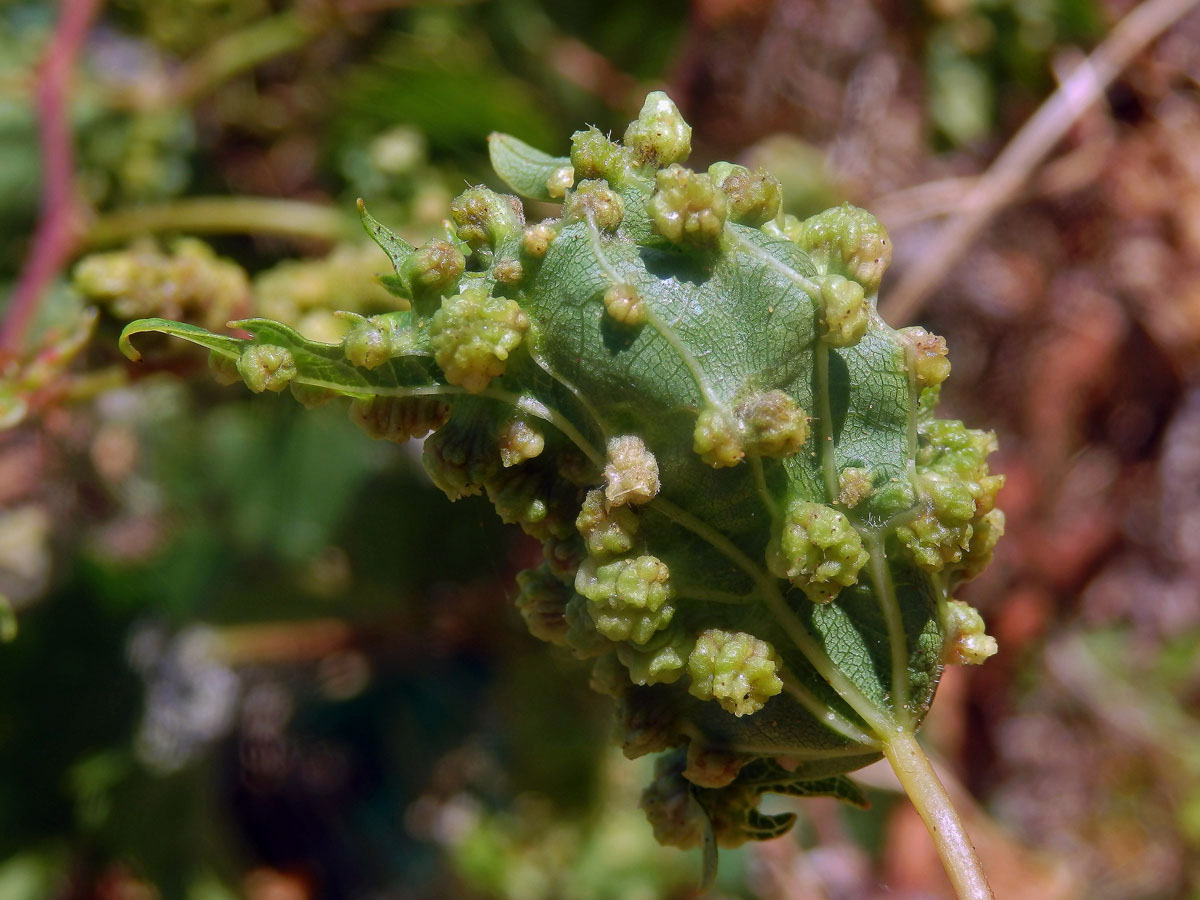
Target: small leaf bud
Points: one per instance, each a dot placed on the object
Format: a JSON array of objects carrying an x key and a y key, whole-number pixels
[
  {"x": 772, "y": 424},
  {"x": 817, "y": 550},
  {"x": 608, "y": 531},
  {"x": 631, "y": 473},
  {"x": 595, "y": 201},
  {"x": 926, "y": 356},
  {"x": 625, "y": 305},
  {"x": 266, "y": 367},
  {"x": 717, "y": 438},
  {"x": 628, "y": 599},
  {"x": 734, "y": 668},
  {"x": 659, "y": 135},
  {"x": 519, "y": 441},
  {"x": 844, "y": 312},
  {"x": 485, "y": 218},
  {"x": 472, "y": 335},
  {"x": 687, "y": 208},
  {"x": 967, "y": 644}
]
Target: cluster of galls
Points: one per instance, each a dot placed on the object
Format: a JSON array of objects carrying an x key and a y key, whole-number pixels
[{"x": 606, "y": 589}]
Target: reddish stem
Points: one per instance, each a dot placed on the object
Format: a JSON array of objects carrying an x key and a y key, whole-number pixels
[{"x": 58, "y": 229}]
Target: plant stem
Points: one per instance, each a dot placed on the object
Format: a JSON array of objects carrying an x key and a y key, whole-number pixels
[
  {"x": 243, "y": 50},
  {"x": 929, "y": 796},
  {"x": 58, "y": 228},
  {"x": 223, "y": 215}
]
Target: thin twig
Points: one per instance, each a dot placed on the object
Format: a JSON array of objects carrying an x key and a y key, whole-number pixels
[
  {"x": 1036, "y": 138},
  {"x": 58, "y": 229}
]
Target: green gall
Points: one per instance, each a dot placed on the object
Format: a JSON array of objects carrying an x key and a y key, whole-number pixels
[
  {"x": 472, "y": 335},
  {"x": 399, "y": 418},
  {"x": 985, "y": 533},
  {"x": 854, "y": 486},
  {"x": 609, "y": 677},
  {"x": 225, "y": 370},
  {"x": 712, "y": 767},
  {"x": 189, "y": 282},
  {"x": 687, "y": 208},
  {"x": 542, "y": 602},
  {"x": 508, "y": 272},
  {"x": 717, "y": 439},
  {"x": 625, "y": 305},
  {"x": 941, "y": 531},
  {"x": 629, "y": 599},
  {"x": 372, "y": 342},
  {"x": 786, "y": 228},
  {"x": 532, "y": 498},
  {"x": 593, "y": 155},
  {"x": 460, "y": 457},
  {"x": 754, "y": 197},
  {"x": 647, "y": 721},
  {"x": 734, "y": 668},
  {"x": 817, "y": 550},
  {"x": 265, "y": 367},
  {"x": 434, "y": 269},
  {"x": 559, "y": 181},
  {"x": 630, "y": 473},
  {"x": 519, "y": 441},
  {"x": 310, "y": 396},
  {"x": 926, "y": 354},
  {"x": 659, "y": 136},
  {"x": 772, "y": 425},
  {"x": 594, "y": 201},
  {"x": 535, "y": 240},
  {"x": 956, "y": 494},
  {"x": 843, "y": 310},
  {"x": 607, "y": 530},
  {"x": 670, "y": 807},
  {"x": 967, "y": 644},
  {"x": 484, "y": 218},
  {"x": 568, "y": 367},
  {"x": 585, "y": 641},
  {"x": 847, "y": 241},
  {"x": 660, "y": 660}
]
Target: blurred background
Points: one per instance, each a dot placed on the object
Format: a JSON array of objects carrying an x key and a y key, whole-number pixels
[{"x": 250, "y": 653}]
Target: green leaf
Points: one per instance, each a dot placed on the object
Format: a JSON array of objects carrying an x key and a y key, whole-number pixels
[
  {"x": 397, "y": 249},
  {"x": 225, "y": 345},
  {"x": 318, "y": 365},
  {"x": 525, "y": 169}
]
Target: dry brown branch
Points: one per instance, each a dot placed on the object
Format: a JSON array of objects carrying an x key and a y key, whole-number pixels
[{"x": 1036, "y": 138}]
